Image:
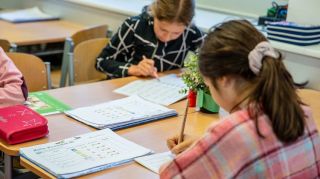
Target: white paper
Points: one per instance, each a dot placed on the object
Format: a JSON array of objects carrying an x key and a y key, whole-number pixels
[
  {"x": 25, "y": 15},
  {"x": 83, "y": 154},
  {"x": 119, "y": 111},
  {"x": 165, "y": 92},
  {"x": 155, "y": 161}
]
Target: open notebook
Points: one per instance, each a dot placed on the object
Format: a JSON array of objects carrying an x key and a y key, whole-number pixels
[
  {"x": 164, "y": 91},
  {"x": 83, "y": 154},
  {"x": 121, "y": 113}
]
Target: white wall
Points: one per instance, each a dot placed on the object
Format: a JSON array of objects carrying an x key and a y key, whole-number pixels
[
  {"x": 304, "y": 11},
  {"x": 303, "y": 68},
  {"x": 71, "y": 11},
  {"x": 251, "y": 8},
  {"x": 81, "y": 14}
]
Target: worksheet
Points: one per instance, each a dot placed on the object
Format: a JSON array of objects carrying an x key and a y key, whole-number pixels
[
  {"x": 164, "y": 90},
  {"x": 155, "y": 161},
  {"x": 83, "y": 154}
]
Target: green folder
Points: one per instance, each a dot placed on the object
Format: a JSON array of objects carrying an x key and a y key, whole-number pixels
[{"x": 45, "y": 104}]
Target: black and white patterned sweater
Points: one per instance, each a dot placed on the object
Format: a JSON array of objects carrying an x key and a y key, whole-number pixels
[{"x": 136, "y": 38}]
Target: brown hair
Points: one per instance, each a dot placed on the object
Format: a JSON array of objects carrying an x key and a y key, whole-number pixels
[
  {"x": 225, "y": 52},
  {"x": 180, "y": 11}
]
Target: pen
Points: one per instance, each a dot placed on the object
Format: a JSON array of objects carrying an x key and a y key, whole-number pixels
[{"x": 183, "y": 123}]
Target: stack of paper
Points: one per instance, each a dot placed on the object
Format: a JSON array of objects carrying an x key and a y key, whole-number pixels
[
  {"x": 121, "y": 113},
  {"x": 26, "y": 15},
  {"x": 83, "y": 154},
  {"x": 165, "y": 91}
]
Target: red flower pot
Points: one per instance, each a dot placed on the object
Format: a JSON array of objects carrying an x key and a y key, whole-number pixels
[{"x": 192, "y": 97}]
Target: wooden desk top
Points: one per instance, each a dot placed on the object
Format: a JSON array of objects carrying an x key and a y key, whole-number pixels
[
  {"x": 151, "y": 135},
  {"x": 157, "y": 133},
  {"x": 38, "y": 32},
  {"x": 79, "y": 96}
]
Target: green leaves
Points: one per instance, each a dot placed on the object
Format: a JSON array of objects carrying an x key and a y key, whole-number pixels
[{"x": 191, "y": 75}]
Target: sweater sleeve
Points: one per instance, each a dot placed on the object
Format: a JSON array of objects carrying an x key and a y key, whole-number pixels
[
  {"x": 116, "y": 56},
  {"x": 11, "y": 82}
]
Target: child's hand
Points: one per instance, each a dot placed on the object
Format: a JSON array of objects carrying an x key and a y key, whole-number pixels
[
  {"x": 144, "y": 68},
  {"x": 176, "y": 148}
]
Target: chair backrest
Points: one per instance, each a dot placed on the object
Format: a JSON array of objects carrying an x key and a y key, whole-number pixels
[
  {"x": 84, "y": 59},
  {"x": 5, "y": 45},
  {"x": 71, "y": 42},
  {"x": 99, "y": 31},
  {"x": 35, "y": 71}
]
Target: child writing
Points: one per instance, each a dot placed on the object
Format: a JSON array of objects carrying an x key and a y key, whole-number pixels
[
  {"x": 156, "y": 40},
  {"x": 269, "y": 133},
  {"x": 13, "y": 89}
]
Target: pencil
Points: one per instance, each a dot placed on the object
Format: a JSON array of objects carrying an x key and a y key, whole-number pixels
[{"x": 183, "y": 123}]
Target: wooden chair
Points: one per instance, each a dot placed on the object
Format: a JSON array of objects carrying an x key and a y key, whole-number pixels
[
  {"x": 71, "y": 42},
  {"x": 5, "y": 45},
  {"x": 35, "y": 71},
  {"x": 82, "y": 68}
]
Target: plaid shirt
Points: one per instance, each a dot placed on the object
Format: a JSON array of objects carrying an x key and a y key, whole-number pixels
[{"x": 232, "y": 149}]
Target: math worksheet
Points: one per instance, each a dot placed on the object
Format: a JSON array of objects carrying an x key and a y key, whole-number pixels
[
  {"x": 165, "y": 91},
  {"x": 121, "y": 113},
  {"x": 83, "y": 154}
]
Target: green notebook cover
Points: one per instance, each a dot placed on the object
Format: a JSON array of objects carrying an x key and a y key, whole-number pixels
[{"x": 45, "y": 104}]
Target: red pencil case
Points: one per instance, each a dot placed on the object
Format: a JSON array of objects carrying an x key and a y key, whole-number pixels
[{"x": 20, "y": 124}]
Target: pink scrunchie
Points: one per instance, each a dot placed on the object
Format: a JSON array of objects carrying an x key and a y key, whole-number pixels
[{"x": 256, "y": 55}]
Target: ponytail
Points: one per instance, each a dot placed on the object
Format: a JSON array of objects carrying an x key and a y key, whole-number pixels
[{"x": 276, "y": 92}]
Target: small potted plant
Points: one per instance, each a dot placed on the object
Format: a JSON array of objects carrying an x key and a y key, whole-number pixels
[{"x": 195, "y": 84}]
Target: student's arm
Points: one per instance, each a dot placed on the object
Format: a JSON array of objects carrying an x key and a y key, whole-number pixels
[
  {"x": 11, "y": 83},
  {"x": 115, "y": 57}
]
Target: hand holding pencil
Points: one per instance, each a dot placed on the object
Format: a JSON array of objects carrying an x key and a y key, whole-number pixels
[
  {"x": 144, "y": 68},
  {"x": 181, "y": 142}
]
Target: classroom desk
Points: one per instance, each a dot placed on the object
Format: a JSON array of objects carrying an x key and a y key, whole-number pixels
[
  {"x": 75, "y": 96},
  {"x": 61, "y": 126},
  {"x": 42, "y": 32},
  {"x": 159, "y": 131},
  {"x": 151, "y": 135}
]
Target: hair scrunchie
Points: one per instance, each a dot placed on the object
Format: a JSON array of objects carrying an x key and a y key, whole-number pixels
[{"x": 256, "y": 55}]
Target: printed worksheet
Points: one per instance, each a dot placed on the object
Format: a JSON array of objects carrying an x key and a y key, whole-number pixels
[
  {"x": 121, "y": 112},
  {"x": 155, "y": 161},
  {"x": 164, "y": 91},
  {"x": 84, "y": 154}
]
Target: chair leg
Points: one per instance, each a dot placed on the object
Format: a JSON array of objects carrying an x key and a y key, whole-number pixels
[
  {"x": 65, "y": 61},
  {"x": 48, "y": 70},
  {"x": 71, "y": 70}
]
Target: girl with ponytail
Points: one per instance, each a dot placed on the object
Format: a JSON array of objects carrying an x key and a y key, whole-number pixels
[{"x": 270, "y": 133}]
